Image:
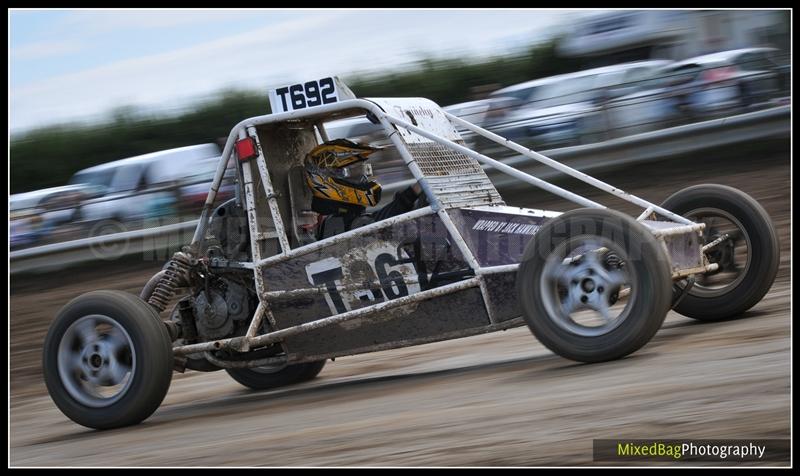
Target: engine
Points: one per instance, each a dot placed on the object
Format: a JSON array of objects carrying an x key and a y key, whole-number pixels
[
  {"x": 229, "y": 235},
  {"x": 224, "y": 298},
  {"x": 223, "y": 309}
]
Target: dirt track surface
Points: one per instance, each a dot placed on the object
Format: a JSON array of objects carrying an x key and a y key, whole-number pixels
[{"x": 495, "y": 400}]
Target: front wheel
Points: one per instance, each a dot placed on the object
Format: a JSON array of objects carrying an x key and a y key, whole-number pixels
[
  {"x": 594, "y": 285},
  {"x": 747, "y": 256},
  {"x": 107, "y": 360},
  {"x": 267, "y": 377}
]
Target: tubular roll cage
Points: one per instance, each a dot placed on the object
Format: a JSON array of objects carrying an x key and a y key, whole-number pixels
[{"x": 389, "y": 123}]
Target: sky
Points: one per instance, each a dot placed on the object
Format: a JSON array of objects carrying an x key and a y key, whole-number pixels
[{"x": 67, "y": 65}]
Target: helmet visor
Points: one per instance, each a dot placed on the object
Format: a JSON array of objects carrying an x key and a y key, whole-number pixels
[{"x": 357, "y": 172}]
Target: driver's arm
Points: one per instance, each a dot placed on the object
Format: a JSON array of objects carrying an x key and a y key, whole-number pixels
[{"x": 403, "y": 202}]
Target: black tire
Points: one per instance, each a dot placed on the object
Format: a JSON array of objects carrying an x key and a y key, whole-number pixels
[
  {"x": 763, "y": 251},
  {"x": 260, "y": 380},
  {"x": 151, "y": 360},
  {"x": 646, "y": 266}
]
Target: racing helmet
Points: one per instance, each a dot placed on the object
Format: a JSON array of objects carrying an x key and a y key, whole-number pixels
[{"x": 338, "y": 177}]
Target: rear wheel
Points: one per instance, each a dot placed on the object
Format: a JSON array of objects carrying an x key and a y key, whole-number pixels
[
  {"x": 107, "y": 360},
  {"x": 594, "y": 285},
  {"x": 748, "y": 255},
  {"x": 267, "y": 377}
]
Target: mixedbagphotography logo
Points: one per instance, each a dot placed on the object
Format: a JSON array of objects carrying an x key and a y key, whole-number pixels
[{"x": 766, "y": 450}]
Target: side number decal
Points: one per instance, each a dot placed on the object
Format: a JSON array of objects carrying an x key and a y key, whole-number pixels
[{"x": 396, "y": 275}]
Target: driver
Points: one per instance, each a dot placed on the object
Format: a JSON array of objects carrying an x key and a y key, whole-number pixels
[{"x": 339, "y": 179}]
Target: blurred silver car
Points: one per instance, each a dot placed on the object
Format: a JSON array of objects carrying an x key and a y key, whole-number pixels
[
  {"x": 704, "y": 87},
  {"x": 567, "y": 109},
  {"x": 140, "y": 187},
  {"x": 36, "y": 216},
  {"x": 474, "y": 112},
  {"x": 729, "y": 81},
  {"x": 482, "y": 112}
]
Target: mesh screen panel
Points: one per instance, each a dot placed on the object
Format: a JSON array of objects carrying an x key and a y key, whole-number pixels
[{"x": 457, "y": 179}]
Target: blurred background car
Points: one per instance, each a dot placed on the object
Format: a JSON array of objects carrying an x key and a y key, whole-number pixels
[
  {"x": 728, "y": 82},
  {"x": 142, "y": 187},
  {"x": 472, "y": 111},
  {"x": 34, "y": 217},
  {"x": 195, "y": 185},
  {"x": 567, "y": 109},
  {"x": 704, "y": 87},
  {"x": 483, "y": 113},
  {"x": 353, "y": 127}
]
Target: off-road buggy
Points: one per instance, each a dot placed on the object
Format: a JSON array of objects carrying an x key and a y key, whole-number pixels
[{"x": 255, "y": 293}]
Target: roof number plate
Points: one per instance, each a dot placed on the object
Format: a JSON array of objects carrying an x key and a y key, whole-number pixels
[{"x": 318, "y": 92}]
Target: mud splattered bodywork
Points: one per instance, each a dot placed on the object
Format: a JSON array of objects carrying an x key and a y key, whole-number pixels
[
  {"x": 363, "y": 269},
  {"x": 332, "y": 297}
]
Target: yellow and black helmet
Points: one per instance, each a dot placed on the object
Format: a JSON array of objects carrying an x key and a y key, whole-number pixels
[{"x": 339, "y": 178}]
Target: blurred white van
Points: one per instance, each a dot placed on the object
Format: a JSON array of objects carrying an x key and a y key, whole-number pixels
[{"x": 144, "y": 186}]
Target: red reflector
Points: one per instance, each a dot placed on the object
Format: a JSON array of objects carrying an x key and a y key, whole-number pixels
[{"x": 246, "y": 149}]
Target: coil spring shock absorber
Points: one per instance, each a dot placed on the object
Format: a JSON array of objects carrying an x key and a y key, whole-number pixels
[{"x": 176, "y": 274}]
